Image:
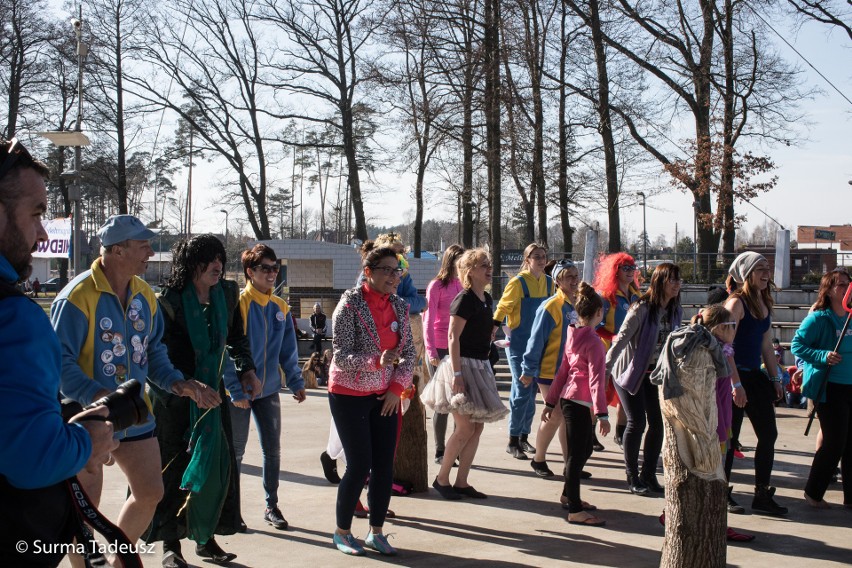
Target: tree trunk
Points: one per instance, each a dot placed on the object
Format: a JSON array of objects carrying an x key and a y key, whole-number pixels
[
  {"x": 605, "y": 128},
  {"x": 491, "y": 44},
  {"x": 411, "y": 464},
  {"x": 695, "y": 514}
]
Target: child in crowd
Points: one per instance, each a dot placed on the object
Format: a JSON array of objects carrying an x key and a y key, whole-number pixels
[
  {"x": 718, "y": 322},
  {"x": 580, "y": 385}
]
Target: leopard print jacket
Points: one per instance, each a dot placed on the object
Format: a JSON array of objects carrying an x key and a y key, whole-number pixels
[{"x": 356, "y": 352}]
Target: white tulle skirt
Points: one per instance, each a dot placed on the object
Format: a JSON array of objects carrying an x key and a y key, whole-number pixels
[{"x": 480, "y": 401}]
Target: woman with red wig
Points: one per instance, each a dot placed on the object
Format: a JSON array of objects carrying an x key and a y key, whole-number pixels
[{"x": 616, "y": 282}]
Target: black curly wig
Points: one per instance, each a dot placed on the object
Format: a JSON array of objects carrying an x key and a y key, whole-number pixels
[{"x": 191, "y": 255}]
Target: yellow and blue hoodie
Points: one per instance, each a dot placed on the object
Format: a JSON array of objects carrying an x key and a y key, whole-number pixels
[
  {"x": 272, "y": 338},
  {"x": 104, "y": 344},
  {"x": 547, "y": 338},
  {"x": 613, "y": 318}
]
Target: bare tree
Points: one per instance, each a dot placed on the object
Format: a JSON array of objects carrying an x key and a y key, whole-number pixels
[
  {"x": 326, "y": 49},
  {"x": 830, "y": 12}
]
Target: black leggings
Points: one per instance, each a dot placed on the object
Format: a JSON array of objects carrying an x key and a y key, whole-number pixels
[
  {"x": 439, "y": 420},
  {"x": 835, "y": 420},
  {"x": 646, "y": 402},
  {"x": 579, "y": 428},
  {"x": 760, "y": 409},
  {"x": 369, "y": 442}
]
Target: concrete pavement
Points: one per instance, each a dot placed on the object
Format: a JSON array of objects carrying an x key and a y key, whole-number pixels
[{"x": 521, "y": 523}]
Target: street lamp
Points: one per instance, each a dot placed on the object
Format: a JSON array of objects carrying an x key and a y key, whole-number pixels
[
  {"x": 695, "y": 239},
  {"x": 644, "y": 235},
  {"x": 225, "y": 211},
  {"x": 75, "y": 139}
]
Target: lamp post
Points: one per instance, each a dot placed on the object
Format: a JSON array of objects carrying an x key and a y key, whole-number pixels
[
  {"x": 75, "y": 139},
  {"x": 644, "y": 236},
  {"x": 695, "y": 239},
  {"x": 225, "y": 211}
]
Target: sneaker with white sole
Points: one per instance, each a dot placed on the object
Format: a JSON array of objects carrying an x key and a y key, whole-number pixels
[
  {"x": 347, "y": 544},
  {"x": 379, "y": 543}
]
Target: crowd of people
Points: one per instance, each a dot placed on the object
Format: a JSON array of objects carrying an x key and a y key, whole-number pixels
[{"x": 210, "y": 357}]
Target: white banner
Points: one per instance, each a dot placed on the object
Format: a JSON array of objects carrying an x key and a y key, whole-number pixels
[{"x": 58, "y": 244}]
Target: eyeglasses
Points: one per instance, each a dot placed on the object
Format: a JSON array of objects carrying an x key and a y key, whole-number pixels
[
  {"x": 628, "y": 268},
  {"x": 267, "y": 268},
  {"x": 387, "y": 270},
  {"x": 15, "y": 152}
]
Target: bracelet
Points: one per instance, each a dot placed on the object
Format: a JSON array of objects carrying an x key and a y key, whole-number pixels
[
  {"x": 736, "y": 385},
  {"x": 775, "y": 380},
  {"x": 606, "y": 418},
  {"x": 457, "y": 373}
]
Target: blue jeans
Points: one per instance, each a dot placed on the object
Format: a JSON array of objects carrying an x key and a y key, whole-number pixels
[
  {"x": 267, "y": 420},
  {"x": 521, "y": 399}
]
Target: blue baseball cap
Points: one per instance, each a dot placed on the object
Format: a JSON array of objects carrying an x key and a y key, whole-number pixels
[{"x": 120, "y": 228}]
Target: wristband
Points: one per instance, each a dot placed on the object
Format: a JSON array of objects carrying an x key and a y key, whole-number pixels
[
  {"x": 457, "y": 373},
  {"x": 736, "y": 385},
  {"x": 775, "y": 380},
  {"x": 605, "y": 418}
]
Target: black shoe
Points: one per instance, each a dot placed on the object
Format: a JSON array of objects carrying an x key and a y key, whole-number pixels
[
  {"x": 585, "y": 475},
  {"x": 516, "y": 452},
  {"x": 651, "y": 483},
  {"x": 617, "y": 440},
  {"x": 446, "y": 491},
  {"x": 214, "y": 552},
  {"x": 242, "y": 527},
  {"x": 541, "y": 469},
  {"x": 329, "y": 468},
  {"x": 275, "y": 518},
  {"x": 764, "y": 503},
  {"x": 637, "y": 487},
  {"x": 598, "y": 447},
  {"x": 525, "y": 445},
  {"x": 734, "y": 507},
  {"x": 173, "y": 559},
  {"x": 469, "y": 491},
  {"x": 439, "y": 457}
]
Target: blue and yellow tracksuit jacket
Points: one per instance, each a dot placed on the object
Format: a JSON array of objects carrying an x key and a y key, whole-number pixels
[
  {"x": 38, "y": 448},
  {"x": 547, "y": 339},
  {"x": 613, "y": 318},
  {"x": 272, "y": 338},
  {"x": 105, "y": 344}
]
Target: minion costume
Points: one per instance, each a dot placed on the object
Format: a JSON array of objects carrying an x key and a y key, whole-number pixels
[{"x": 523, "y": 295}]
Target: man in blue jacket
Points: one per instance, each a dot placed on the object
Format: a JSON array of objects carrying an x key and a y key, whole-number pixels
[
  {"x": 39, "y": 451},
  {"x": 110, "y": 328}
]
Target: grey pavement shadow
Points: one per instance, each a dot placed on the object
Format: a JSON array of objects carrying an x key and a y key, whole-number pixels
[{"x": 546, "y": 547}]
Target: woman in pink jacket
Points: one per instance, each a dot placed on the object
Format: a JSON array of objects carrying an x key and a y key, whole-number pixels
[
  {"x": 580, "y": 384},
  {"x": 439, "y": 295}
]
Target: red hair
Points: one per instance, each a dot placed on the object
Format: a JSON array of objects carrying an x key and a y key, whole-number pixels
[{"x": 606, "y": 275}]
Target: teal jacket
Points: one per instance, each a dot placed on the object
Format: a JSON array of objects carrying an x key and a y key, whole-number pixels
[{"x": 814, "y": 340}]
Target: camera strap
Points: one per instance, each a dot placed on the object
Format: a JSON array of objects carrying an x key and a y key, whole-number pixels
[{"x": 118, "y": 541}]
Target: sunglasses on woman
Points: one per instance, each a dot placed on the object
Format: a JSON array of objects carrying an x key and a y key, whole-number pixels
[
  {"x": 628, "y": 268},
  {"x": 267, "y": 268}
]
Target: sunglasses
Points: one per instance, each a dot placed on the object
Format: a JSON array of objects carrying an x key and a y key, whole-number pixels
[
  {"x": 15, "y": 152},
  {"x": 627, "y": 268},
  {"x": 387, "y": 270},
  {"x": 267, "y": 268}
]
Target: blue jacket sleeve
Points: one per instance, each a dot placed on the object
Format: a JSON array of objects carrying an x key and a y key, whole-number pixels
[
  {"x": 806, "y": 343},
  {"x": 72, "y": 328},
  {"x": 408, "y": 292},
  {"x": 38, "y": 448},
  {"x": 542, "y": 325},
  {"x": 288, "y": 358},
  {"x": 161, "y": 372},
  {"x": 232, "y": 384}
]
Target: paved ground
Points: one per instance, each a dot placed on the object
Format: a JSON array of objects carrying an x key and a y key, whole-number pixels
[{"x": 521, "y": 523}]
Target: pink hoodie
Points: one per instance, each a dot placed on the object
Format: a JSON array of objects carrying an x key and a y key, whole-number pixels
[
  {"x": 582, "y": 374},
  {"x": 436, "y": 322}
]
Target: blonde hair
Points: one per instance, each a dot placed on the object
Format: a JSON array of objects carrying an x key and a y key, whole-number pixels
[
  {"x": 388, "y": 240},
  {"x": 468, "y": 261},
  {"x": 712, "y": 316}
]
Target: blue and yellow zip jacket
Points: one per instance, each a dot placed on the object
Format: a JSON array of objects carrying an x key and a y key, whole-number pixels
[
  {"x": 104, "y": 344},
  {"x": 613, "y": 318},
  {"x": 509, "y": 306},
  {"x": 547, "y": 338},
  {"x": 38, "y": 449},
  {"x": 272, "y": 338}
]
